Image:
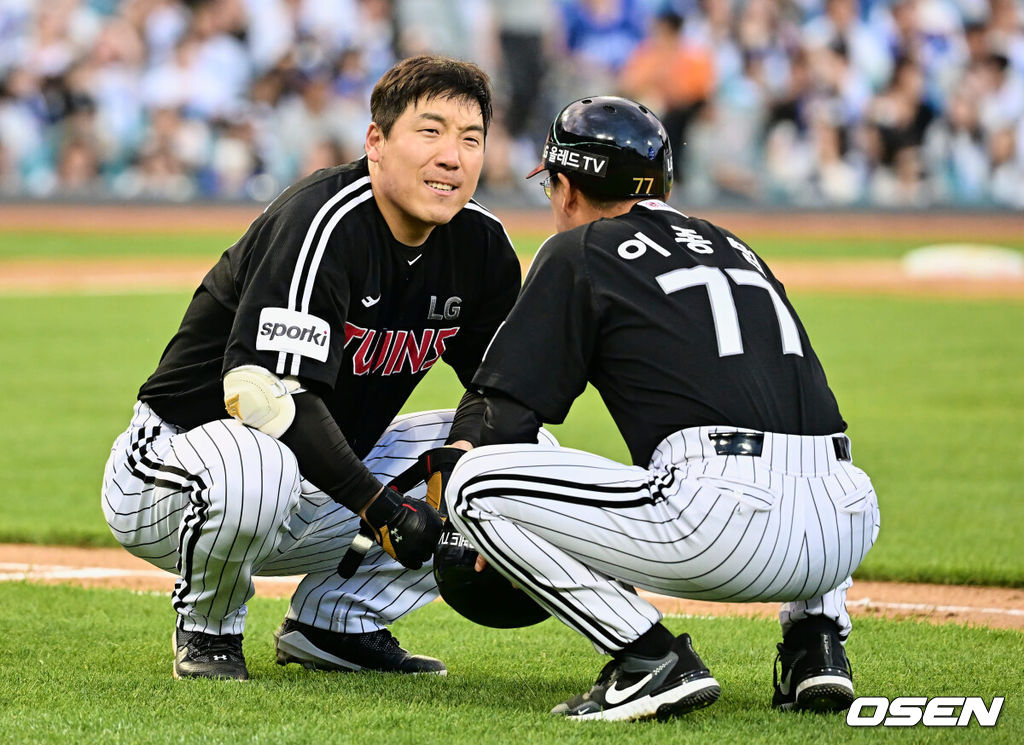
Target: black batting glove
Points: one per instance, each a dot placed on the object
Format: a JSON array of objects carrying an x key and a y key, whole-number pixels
[
  {"x": 407, "y": 529},
  {"x": 437, "y": 465}
]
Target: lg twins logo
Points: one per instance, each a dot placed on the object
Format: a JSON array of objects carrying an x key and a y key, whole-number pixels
[
  {"x": 284, "y": 330},
  {"x": 390, "y": 352},
  {"x": 908, "y": 711}
]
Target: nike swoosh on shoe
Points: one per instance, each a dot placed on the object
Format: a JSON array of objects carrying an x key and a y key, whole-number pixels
[{"x": 617, "y": 695}]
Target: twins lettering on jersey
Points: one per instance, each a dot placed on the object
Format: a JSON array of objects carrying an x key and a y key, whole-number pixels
[
  {"x": 387, "y": 352},
  {"x": 394, "y": 351}
]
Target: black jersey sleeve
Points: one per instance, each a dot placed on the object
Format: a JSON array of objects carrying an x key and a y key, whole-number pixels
[
  {"x": 500, "y": 275},
  {"x": 325, "y": 457},
  {"x": 507, "y": 421},
  {"x": 468, "y": 419},
  {"x": 541, "y": 354},
  {"x": 291, "y": 275}
]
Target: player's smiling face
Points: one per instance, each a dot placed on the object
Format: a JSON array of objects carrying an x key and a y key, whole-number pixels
[{"x": 428, "y": 166}]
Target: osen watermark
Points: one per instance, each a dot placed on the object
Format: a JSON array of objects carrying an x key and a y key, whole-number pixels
[{"x": 909, "y": 711}]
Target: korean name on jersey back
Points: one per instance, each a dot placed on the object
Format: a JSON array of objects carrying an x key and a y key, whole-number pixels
[{"x": 284, "y": 330}]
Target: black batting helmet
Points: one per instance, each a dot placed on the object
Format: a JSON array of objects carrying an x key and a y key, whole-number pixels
[
  {"x": 486, "y": 597},
  {"x": 610, "y": 147}
]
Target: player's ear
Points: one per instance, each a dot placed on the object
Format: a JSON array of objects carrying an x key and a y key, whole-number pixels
[
  {"x": 567, "y": 194},
  {"x": 374, "y": 139}
]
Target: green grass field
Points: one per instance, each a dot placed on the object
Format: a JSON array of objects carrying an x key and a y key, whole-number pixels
[
  {"x": 932, "y": 391},
  {"x": 39, "y": 244},
  {"x": 102, "y": 675}
]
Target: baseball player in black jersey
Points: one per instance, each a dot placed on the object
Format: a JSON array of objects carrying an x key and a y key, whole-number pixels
[
  {"x": 311, "y": 332},
  {"x": 741, "y": 487}
]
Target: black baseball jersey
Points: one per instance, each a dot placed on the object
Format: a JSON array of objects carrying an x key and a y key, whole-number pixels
[
  {"x": 675, "y": 321},
  {"x": 319, "y": 288}
]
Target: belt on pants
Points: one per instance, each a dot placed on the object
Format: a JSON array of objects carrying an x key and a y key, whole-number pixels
[{"x": 752, "y": 443}]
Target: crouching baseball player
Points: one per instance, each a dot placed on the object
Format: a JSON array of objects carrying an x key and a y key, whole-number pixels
[
  {"x": 311, "y": 332},
  {"x": 742, "y": 486}
]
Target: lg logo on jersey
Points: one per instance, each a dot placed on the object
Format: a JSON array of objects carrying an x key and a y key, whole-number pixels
[
  {"x": 450, "y": 312},
  {"x": 909, "y": 711}
]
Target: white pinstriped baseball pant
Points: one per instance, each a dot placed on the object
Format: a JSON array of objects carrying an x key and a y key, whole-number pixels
[
  {"x": 578, "y": 531},
  {"x": 220, "y": 503}
]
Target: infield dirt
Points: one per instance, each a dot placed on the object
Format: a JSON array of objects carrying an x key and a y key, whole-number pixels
[
  {"x": 126, "y": 218},
  {"x": 147, "y": 274},
  {"x": 877, "y": 276},
  {"x": 994, "y": 607}
]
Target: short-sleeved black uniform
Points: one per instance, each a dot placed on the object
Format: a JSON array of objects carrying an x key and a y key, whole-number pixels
[
  {"x": 674, "y": 320},
  {"x": 319, "y": 288}
]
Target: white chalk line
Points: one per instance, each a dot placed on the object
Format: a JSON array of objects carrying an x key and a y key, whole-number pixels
[
  {"x": 868, "y": 603},
  {"x": 10, "y": 572},
  {"x": 13, "y": 572}
]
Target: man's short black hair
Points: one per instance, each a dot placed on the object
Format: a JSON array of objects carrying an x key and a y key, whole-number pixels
[
  {"x": 597, "y": 200},
  {"x": 425, "y": 77}
]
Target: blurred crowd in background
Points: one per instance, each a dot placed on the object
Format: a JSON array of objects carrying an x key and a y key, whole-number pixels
[{"x": 891, "y": 103}]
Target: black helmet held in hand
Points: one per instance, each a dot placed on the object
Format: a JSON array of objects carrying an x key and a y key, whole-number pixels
[
  {"x": 486, "y": 597},
  {"x": 611, "y": 148}
]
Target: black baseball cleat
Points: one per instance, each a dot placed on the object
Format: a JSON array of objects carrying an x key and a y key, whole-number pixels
[
  {"x": 634, "y": 688},
  {"x": 319, "y": 649},
  {"x": 199, "y": 655},
  {"x": 815, "y": 673}
]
